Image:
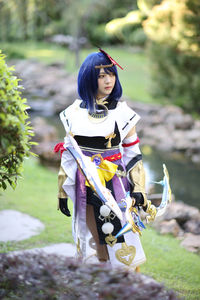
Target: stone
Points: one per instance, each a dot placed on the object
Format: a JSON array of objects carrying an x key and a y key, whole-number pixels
[
  {"x": 181, "y": 212},
  {"x": 169, "y": 227},
  {"x": 43, "y": 131},
  {"x": 191, "y": 242},
  {"x": 192, "y": 226},
  {"x": 46, "y": 153},
  {"x": 17, "y": 226},
  {"x": 50, "y": 93},
  {"x": 61, "y": 249}
]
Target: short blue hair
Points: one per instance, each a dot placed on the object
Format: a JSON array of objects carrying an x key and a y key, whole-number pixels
[{"x": 88, "y": 79}]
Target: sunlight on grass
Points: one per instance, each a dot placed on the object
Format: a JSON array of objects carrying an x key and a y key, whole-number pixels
[{"x": 40, "y": 53}]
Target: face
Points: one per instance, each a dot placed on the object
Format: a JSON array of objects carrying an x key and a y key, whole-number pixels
[{"x": 106, "y": 83}]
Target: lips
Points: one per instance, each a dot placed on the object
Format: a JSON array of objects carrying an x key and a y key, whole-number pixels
[{"x": 108, "y": 87}]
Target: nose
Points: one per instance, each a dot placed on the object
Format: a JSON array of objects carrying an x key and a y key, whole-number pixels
[{"x": 107, "y": 79}]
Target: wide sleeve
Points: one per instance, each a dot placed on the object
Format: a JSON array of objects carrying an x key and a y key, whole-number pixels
[
  {"x": 127, "y": 118},
  {"x": 68, "y": 164}
]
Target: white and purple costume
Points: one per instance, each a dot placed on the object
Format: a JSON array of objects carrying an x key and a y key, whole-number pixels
[{"x": 105, "y": 138}]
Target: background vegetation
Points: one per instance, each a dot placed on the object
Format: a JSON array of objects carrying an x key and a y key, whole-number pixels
[
  {"x": 14, "y": 129},
  {"x": 168, "y": 29}
]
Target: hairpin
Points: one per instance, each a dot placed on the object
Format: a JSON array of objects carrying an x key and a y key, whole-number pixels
[
  {"x": 111, "y": 59},
  {"x": 103, "y": 66}
]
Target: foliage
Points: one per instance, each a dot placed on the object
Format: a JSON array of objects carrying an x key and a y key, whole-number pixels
[
  {"x": 175, "y": 76},
  {"x": 173, "y": 27},
  {"x": 14, "y": 128},
  {"x": 39, "y": 19},
  {"x": 145, "y": 6},
  {"x": 31, "y": 276},
  {"x": 128, "y": 29},
  {"x": 123, "y": 27},
  {"x": 137, "y": 37}
]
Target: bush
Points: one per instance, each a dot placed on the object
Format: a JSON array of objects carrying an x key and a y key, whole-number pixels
[
  {"x": 138, "y": 37},
  {"x": 14, "y": 129},
  {"x": 175, "y": 76},
  {"x": 40, "y": 277},
  {"x": 173, "y": 28}
]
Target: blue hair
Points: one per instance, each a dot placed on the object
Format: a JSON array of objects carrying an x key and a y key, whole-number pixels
[{"x": 88, "y": 79}]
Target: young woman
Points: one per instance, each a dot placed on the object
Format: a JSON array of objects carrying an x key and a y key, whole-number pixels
[{"x": 104, "y": 128}]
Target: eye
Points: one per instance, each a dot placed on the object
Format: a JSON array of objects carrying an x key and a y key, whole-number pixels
[{"x": 101, "y": 76}]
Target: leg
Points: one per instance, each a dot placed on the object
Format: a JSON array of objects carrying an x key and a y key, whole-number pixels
[{"x": 102, "y": 252}]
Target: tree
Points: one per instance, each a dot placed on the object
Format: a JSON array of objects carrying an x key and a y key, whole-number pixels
[
  {"x": 15, "y": 132},
  {"x": 173, "y": 28}
]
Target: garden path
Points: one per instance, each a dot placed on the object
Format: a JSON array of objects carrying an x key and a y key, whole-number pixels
[{"x": 17, "y": 226}]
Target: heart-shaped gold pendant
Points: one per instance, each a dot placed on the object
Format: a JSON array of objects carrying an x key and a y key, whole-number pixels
[
  {"x": 110, "y": 240},
  {"x": 126, "y": 254}
]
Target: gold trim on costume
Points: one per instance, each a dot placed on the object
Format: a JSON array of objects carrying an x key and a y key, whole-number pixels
[
  {"x": 78, "y": 248},
  {"x": 96, "y": 155},
  {"x": 126, "y": 254},
  {"x": 61, "y": 179},
  {"x": 110, "y": 240},
  {"x": 137, "y": 176},
  {"x": 102, "y": 101}
]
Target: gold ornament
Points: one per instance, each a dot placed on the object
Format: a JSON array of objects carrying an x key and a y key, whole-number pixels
[
  {"x": 103, "y": 66},
  {"x": 110, "y": 240},
  {"x": 78, "y": 248},
  {"x": 126, "y": 254},
  {"x": 151, "y": 210},
  {"x": 109, "y": 138}
]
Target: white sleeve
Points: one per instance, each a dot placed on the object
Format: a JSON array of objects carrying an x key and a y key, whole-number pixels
[
  {"x": 130, "y": 150},
  {"x": 127, "y": 119},
  {"x": 65, "y": 120},
  {"x": 68, "y": 163}
]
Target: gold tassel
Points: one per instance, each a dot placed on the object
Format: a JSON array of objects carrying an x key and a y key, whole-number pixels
[{"x": 110, "y": 137}]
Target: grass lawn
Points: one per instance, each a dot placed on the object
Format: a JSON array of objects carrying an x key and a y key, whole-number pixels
[
  {"x": 134, "y": 78},
  {"x": 36, "y": 195}
]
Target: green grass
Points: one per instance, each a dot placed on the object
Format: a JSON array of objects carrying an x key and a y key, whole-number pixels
[
  {"x": 36, "y": 195},
  {"x": 135, "y": 77},
  {"x": 171, "y": 264}
]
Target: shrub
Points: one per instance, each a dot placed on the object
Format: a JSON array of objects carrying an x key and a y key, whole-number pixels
[
  {"x": 15, "y": 131},
  {"x": 173, "y": 28},
  {"x": 40, "y": 277},
  {"x": 138, "y": 37}
]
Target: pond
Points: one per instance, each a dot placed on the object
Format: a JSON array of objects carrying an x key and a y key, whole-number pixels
[{"x": 184, "y": 175}]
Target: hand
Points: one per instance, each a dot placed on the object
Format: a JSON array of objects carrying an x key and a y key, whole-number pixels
[
  {"x": 63, "y": 206},
  {"x": 138, "y": 199}
]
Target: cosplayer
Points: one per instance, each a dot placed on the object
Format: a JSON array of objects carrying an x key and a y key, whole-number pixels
[{"x": 104, "y": 129}]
